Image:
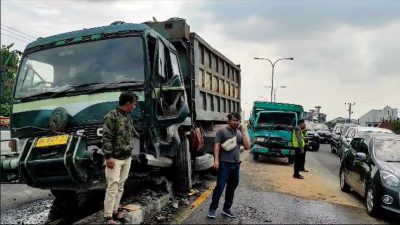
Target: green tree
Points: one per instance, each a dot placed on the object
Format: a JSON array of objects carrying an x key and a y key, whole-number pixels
[
  {"x": 9, "y": 65},
  {"x": 396, "y": 127}
]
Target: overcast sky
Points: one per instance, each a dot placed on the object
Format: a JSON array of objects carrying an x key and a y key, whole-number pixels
[{"x": 344, "y": 51}]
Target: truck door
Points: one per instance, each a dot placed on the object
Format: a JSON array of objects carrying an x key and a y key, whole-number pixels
[{"x": 170, "y": 92}]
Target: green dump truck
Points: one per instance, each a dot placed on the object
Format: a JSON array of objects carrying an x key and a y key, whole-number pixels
[
  {"x": 66, "y": 84},
  {"x": 271, "y": 127}
]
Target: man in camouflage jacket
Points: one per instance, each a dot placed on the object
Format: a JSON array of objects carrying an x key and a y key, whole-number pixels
[{"x": 118, "y": 132}]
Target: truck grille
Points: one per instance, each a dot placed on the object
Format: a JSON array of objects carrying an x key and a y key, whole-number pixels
[{"x": 90, "y": 132}]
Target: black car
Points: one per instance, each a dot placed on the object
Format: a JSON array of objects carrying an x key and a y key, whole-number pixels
[
  {"x": 342, "y": 138},
  {"x": 335, "y": 137},
  {"x": 323, "y": 133},
  {"x": 311, "y": 137},
  {"x": 371, "y": 166}
]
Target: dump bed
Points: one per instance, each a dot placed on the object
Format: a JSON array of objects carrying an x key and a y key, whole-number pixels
[{"x": 212, "y": 80}]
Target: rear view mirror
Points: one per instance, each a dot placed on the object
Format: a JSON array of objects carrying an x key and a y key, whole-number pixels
[
  {"x": 361, "y": 156},
  {"x": 348, "y": 140}
]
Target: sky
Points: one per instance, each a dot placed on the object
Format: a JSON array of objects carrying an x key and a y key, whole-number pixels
[{"x": 344, "y": 51}]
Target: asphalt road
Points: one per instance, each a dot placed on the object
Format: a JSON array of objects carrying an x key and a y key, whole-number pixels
[
  {"x": 15, "y": 195},
  {"x": 267, "y": 193}
]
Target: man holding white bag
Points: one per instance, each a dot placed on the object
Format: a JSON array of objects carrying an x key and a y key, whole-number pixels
[{"x": 227, "y": 144}]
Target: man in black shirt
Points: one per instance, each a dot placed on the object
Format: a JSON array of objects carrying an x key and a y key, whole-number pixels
[{"x": 227, "y": 161}]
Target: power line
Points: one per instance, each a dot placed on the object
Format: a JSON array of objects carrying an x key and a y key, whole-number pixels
[
  {"x": 19, "y": 31},
  {"x": 17, "y": 34},
  {"x": 14, "y": 38}
]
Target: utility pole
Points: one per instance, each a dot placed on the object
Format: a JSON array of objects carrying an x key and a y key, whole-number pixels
[{"x": 349, "y": 110}]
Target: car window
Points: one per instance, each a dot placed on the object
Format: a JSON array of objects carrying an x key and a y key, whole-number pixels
[
  {"x": 363, "y": 146},
  {"x": 355, "y": 143},
  {"x": 350, "y": 133}
]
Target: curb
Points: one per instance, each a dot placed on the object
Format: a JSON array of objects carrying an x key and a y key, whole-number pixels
[{"x": 135, "y": 214}]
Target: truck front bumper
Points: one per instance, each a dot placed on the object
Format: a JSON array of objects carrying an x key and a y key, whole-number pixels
[{"x": 275, "y": 152}]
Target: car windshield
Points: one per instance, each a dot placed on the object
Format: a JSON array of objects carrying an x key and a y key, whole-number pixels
[
  {"x": 104, "y": 61},
  {"x": 387, "y": 150},
  {"x": 321, "y": 126},
  {"x": 345, "y": 129}
]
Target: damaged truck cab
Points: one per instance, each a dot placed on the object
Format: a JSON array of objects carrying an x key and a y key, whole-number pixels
[
  {"x": 271, "y": 129},
  {"x": 67, "y": 83}
]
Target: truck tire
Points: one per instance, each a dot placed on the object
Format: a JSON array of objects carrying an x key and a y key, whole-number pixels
[
  {"x": 256, "y": 156},
  {"x": 184, "y": 166},
  {"x": 291, "y": 159},
  {"x": 204, "y": 162}
]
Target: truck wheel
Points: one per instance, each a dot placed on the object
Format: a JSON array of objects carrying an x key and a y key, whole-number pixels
[
  {"x": 315, "y": 147},
  {"x": 184, "y": 166},
  {"x": 291, "y": 159},
  {"x": 204, "y": 162},
  {"x": 256, "y": 157}
]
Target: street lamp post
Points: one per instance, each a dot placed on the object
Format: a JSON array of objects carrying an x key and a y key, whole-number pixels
[
  {"x": 273, "y": 68},
  {"x": 274, "y": 99},
  {"x": 275, "y": 92}
]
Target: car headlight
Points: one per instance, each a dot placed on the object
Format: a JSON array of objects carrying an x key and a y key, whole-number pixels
[
  {"x": 389, "y": 178},
  {"x": 260, "y": 139}
]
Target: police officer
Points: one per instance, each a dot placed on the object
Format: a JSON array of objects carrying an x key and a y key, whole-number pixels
[
  {"x": 118, "y": 132},
  {"x": 299, "y": 143}
]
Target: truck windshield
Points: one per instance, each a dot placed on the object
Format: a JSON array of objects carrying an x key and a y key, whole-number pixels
[
  {"x": 387, "y": 150},
  {"x": 105, "y": 61},
  {"x": 271, "y": 118}
]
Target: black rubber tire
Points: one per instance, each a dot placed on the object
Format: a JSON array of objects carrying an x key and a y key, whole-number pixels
[
  {"x": 333, "y": 150},
  {"x": 374, "y": 209},
  {"x": 184, "y": 166},
  {"x": 291, "y": 159},
  {"x": 256, "y": 157},
  {"x": 342, "y": 181},
  {"x": 203, "y": 162},
  {"x": 315, "y": 147}
]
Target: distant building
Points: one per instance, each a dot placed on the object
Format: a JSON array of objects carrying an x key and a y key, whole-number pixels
[
  {"x": 375, "y": 116},
  {"x": 312, "y": 115}
]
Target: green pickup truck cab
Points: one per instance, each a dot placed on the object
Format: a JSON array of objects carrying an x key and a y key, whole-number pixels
[{"x": 271, "y": 129}]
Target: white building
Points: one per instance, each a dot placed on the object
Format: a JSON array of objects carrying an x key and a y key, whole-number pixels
[{"x": 375, "y": 116}]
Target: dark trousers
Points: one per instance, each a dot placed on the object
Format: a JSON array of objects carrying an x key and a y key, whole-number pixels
[
  {"x": 303, "y": 160},
  {"x": 299, "y": 160},
  {"x": 228, "y": 174}
]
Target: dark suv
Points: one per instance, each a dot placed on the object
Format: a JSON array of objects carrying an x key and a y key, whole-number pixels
[{"x": 371, "y": 166}]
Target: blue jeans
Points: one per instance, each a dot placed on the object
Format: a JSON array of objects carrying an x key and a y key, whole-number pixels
[{"x": 228, "y": 174}]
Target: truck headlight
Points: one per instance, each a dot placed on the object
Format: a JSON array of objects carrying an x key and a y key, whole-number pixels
[
  {"x": 260, "y": 139},
  {"x": 389, "y": 178}
]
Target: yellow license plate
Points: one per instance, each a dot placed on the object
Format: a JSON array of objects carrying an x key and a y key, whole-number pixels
[{"x": 52, "y": 141}]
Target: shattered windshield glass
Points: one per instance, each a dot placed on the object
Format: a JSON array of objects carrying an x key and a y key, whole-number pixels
[{"x": 105, "y": 61}]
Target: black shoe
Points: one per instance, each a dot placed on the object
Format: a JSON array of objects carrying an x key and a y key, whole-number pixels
[
  {"x": 228, "y": 213},
  {"x": 304, "y": 170},
  {"x": 298, "y": 176}
]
